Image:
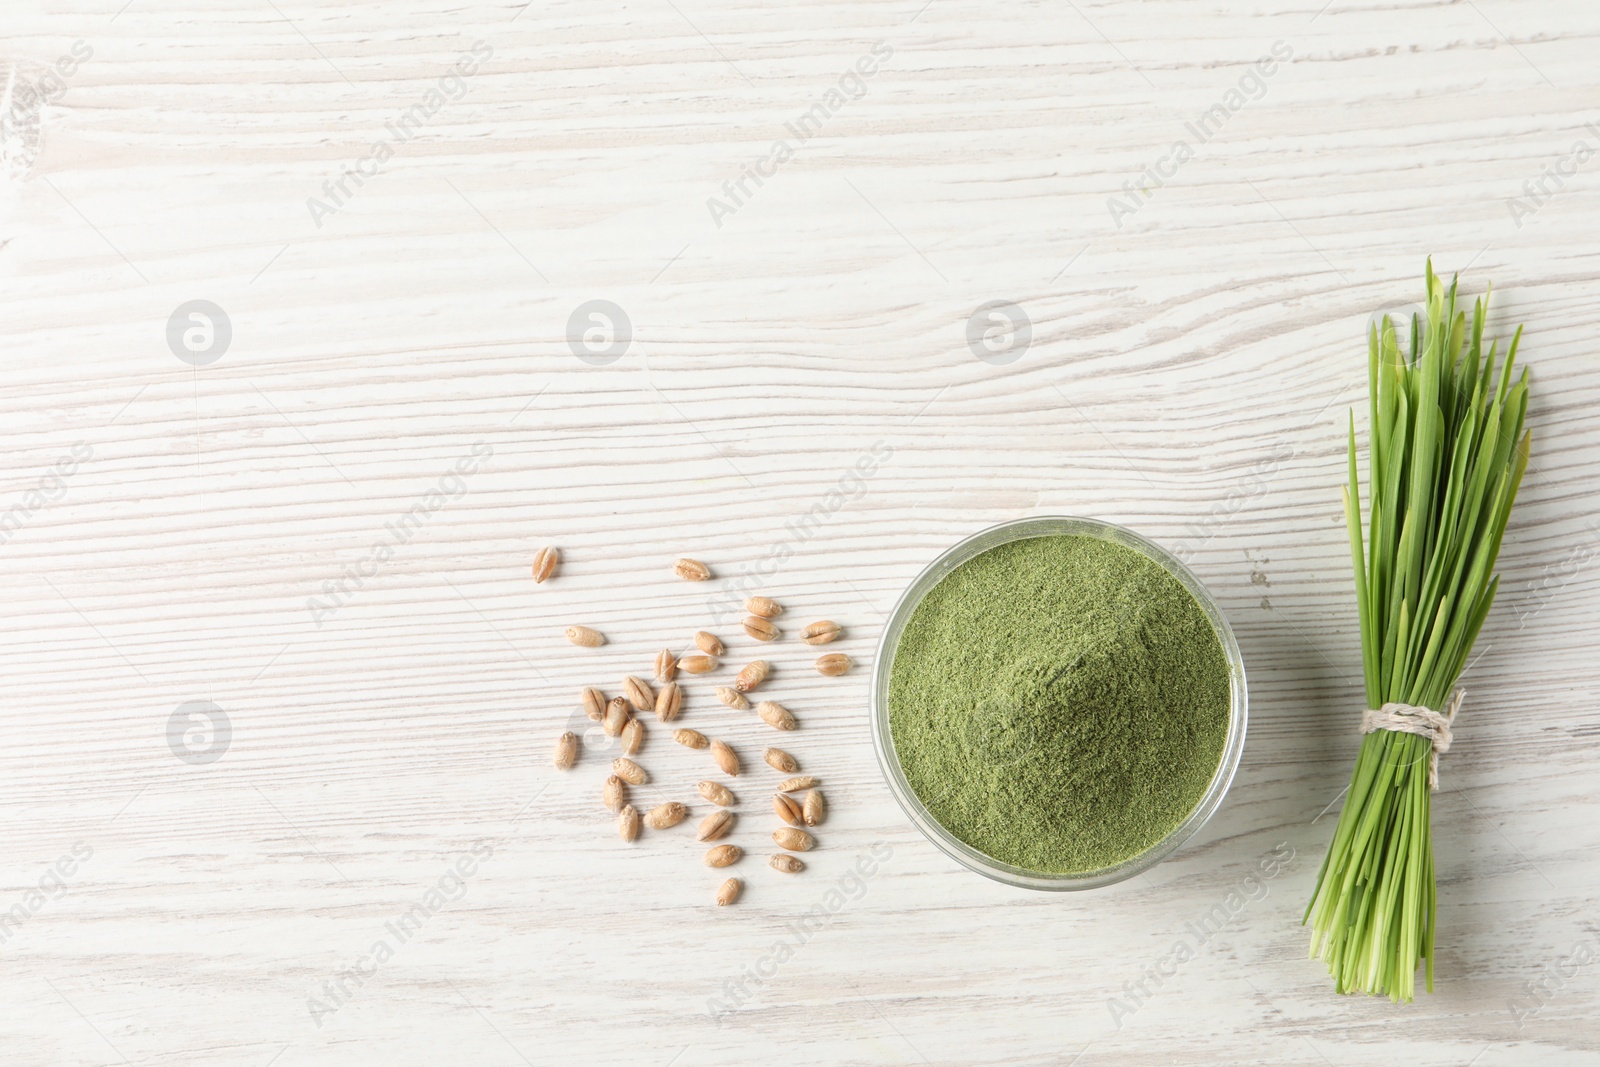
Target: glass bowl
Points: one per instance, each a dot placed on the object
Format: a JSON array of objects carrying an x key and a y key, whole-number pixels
[{"x": 883, "y": 741}]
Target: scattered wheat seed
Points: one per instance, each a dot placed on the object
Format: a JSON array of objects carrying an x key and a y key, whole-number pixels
[
  {"x": 665, "y": 816},
  {"x": 585, "y": 636},
  {"x": 544, "y": 563},
  {"x": 616, "y": 718},
  {"x": 669, "y": 702},
  {"x": 753, "y": 674},
  {"x": 628, "y": 822},
  {"x": 765, "y": 607},
  {"x": 820, "y": 633},
  {"x": 717, "y": 793},
  {"x": 776, "y": 715},
  {"x": 788, "y": 809},
  {"x": 813, "y": 809},
  {"x": 793, "y": 839},
  {"x": 567, "y": 750},
  {"x": 632, "y": 737},
  {"x": 666, "y": 665},
  {"x": 614, "y": 792},
  {"x": 833, "y": 664},
  {"x": 715, "y": 826},
  {"x": 723, "y": 855},
  {"x": 760, "y": 628},
  {"x": 697, "y": 664},
  {"x": 691, "y": 570},
  {"x": 639, "y": 693},
  {"x": 629, "y": 771},
  {"x": 726, "y": 758}
]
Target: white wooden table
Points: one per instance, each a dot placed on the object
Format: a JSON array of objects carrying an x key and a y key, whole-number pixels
[{"x": 222, "y": 518}]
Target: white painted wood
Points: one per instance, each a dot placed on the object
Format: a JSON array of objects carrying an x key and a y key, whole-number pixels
[{"x": 1188, "y": 375}]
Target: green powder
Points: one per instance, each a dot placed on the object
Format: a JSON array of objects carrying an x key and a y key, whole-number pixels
[{"x": 1059, "y": 703}]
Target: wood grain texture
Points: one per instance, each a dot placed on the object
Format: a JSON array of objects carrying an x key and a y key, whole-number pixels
[{"x": 1188, "y": 375}]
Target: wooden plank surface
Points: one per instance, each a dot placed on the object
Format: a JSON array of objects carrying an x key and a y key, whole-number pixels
[{"x": 799, "y": 405}]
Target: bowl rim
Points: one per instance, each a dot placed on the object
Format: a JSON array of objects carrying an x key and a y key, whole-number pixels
[{"x": 976, "y": 544}]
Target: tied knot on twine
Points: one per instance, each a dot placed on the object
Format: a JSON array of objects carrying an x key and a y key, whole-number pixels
[{"x": 1415, "y": 719}]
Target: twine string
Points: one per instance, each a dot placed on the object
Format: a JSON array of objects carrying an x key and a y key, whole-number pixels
[{"x": 1415, "y": 719}]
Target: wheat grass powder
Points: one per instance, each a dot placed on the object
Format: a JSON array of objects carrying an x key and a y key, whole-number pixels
[{"x": 1059, "y": 703}]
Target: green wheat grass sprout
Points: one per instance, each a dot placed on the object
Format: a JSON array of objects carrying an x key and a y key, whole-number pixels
[{"x": 1447, "y": 453}]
